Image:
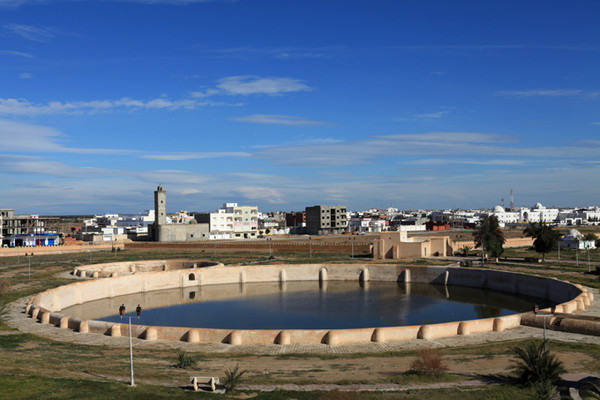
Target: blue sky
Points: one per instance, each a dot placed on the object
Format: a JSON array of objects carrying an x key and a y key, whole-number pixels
[{"x": 286, "y": 104}]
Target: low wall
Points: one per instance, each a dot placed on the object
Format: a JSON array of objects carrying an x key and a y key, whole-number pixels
[
  {"x": 129, "y": 268},
  {"x": 47, "y": 306}
]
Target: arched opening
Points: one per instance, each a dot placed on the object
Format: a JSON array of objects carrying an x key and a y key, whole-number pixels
[{"x": 192, "y": 277}]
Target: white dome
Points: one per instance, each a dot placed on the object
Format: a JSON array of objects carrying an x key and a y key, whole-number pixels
[
  {"x": 539, "y": 206},
  {"x": 498, "y": 209},
  {"x": 573, "y": 233}
]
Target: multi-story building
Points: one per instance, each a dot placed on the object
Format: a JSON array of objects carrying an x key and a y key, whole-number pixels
[
  {"x": 27, "y": 230},
  {"x": 232, "y": 222},
  {"x": 324, "y": 220}
]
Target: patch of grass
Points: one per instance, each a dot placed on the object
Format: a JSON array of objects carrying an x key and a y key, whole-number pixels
[
  {"x": 35, "y": 387},
  {"x": 13, "y": 341},
  {"x": 415, "y": 378}
]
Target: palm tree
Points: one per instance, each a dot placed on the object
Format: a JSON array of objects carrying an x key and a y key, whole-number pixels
[
  {"x": 546, "y": 238},
  {"x": 233, "y": 378},
  {"x": 535, "y": 365},
  {"x": 489, "y": 236}
]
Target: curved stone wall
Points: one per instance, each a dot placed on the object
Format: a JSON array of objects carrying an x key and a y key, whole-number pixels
[
  {"x": 132, "y": 267},
  {"x": 46, "y": 307}
]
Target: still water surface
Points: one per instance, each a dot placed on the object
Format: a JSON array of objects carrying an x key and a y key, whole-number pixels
[{"x": 308, "y": 305}]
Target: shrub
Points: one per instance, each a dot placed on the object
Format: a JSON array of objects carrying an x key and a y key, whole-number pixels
[
  {"x": 534, "y": 365},
  {"x": 233, "y": 378},
  {"x": 545, "y": 390},
  {"x": 428, "y": 362},
  {"x": 184, "y": 361}
]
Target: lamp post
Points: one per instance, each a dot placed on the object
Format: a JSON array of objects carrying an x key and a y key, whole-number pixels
[
  {"x": 352, "y": 242},
  {"x": 270, "y": 252},
  {"x": 29, "y": 257},
  {"x": 138, "y": 311},
  {"x": 310, "y": 246},
  {"x": 536, "y": 310}
]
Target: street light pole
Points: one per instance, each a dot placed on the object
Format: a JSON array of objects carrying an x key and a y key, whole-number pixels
[
  {"x": 138, "y": 310},
  {"x": 131, "y": 353},
  {"x": 309, "y": 246},
  {"x": 352, "y": 241},
  {"x": 29, "y": 256},
  {"x": 536, "y": 309}
]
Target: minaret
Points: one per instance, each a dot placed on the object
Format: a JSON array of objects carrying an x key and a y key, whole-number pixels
[{"x": 160, "y": 207}]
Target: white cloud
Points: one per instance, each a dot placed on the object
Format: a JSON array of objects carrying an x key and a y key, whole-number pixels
[
  {"x": 15, "y": 53},
  {"x": 248, "y": 84},
  {"x": 432, "y": 115},
  {"x": 38, "y": 166},
  {"x": 24, "y": 107},
  {"x": 21, "y": 137},
  {"x": 464, "y": 145},
  {"x": 25, "y": 75},
  {"x": 263, "y": 193},
  {"x": 270, "y": 119},
  {"x": 194, "y": 156},
  {"x": 31, "y": 33},
  {"x": 540, "y": 92}
]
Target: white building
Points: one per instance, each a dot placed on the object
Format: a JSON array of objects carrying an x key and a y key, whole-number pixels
[
  {"x": 574, "y": 240},
  {"x": 234, "y": 222},
  {"x": 537, "y": 213}
]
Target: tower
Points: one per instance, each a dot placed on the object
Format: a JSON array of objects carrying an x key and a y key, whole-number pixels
[
  {"x": 512, "y": 199},
  {"x": 160, "y": 206}
]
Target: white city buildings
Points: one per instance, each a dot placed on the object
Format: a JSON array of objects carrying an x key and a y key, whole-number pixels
[
  {"x": 234, "y": 222},
  {"x": 537, "y": 213}
]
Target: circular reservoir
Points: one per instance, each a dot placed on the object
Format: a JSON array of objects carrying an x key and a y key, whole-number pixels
[{"x": 308, "y": 305}]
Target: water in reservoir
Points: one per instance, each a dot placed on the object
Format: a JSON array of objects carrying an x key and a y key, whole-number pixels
[{"x": 308, "y": 305}]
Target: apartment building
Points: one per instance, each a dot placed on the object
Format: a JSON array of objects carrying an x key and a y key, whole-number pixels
[{"x": 326, "y": 220}]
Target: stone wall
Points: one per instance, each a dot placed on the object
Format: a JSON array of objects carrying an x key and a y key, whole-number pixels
[{"x": 47, "y": 306}]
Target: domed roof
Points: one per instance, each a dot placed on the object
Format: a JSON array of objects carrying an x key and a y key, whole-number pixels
[
  {"x": 538, "y": 205},
  {"x": 498, "y": 209},
  {"x": 573, "y": 233}
]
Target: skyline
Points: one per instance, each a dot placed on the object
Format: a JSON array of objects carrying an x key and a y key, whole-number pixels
[{"x": 283, "y": 104}]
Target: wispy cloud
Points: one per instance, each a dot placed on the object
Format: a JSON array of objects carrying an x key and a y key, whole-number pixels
[
  {"x": 21, "y": 137},
  {"x": 280, "y": 53},
  {"x": 541, "y": 93},
  {"x": 267, "y": 194},
  {"x": 194, "y": 156},
  {"x": 35, "y": 165},
  {"x": 32, "y": 33},
  {"x": 230, "y": 86},
  {"x": 16, "y": 3},
  {"x": 436, "y": 115},
  {"x": 288, "y": 120},
  {"x": 24, "y": 107},
  {"x": 249, "y": 84},
  {"x": 15, "y": 53},
  {"x": 25, "y": 75},
  {"x": 466, "y": 146}
]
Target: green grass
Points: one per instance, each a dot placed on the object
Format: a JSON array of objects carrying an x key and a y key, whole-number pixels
[
  {"x": 13, "y": 341},
  {"x": 36, "y": 387}
]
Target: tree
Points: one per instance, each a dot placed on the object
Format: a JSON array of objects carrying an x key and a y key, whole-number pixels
[
  {"x": 546, "y": 238},
  {"x": 489, "y": 236},
  {"x": 535, "y": 365}
]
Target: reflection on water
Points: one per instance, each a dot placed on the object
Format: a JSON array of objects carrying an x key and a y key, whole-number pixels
[{"x": 308, "y": 305}]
